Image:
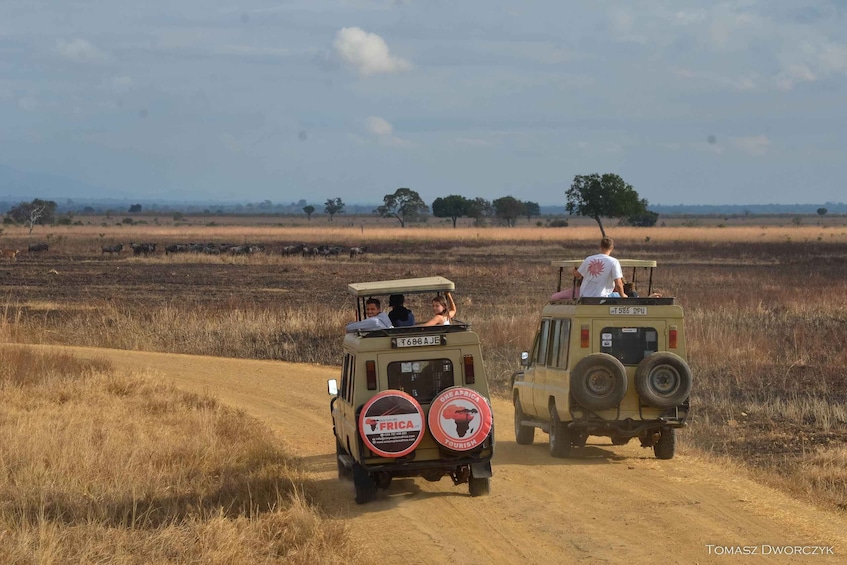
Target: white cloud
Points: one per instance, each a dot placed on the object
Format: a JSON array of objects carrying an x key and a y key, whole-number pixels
[
  {"x": 379, "y": 126},
  {"x": 367, "y": 52},
  {"x": 752, "y": 145},
  {"x": 80, "y": 51},
  {"x": 384, "y": 132}
]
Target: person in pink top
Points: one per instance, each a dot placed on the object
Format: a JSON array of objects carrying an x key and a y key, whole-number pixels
[{"x": 601, "y": 274}]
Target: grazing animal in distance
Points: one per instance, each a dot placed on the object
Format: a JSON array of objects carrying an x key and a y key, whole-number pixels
[
  {"x": 357, "y": 251},
  {"x": 113, "y": 248},
  {"x": 38, "y": 247},
  {"x": 10, "y": 254}
]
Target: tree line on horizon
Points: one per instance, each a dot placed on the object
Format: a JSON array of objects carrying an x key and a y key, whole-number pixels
[{"x": 593, "y": 196}]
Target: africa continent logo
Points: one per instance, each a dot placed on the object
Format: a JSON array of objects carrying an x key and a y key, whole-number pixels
[{"x": 596, "y": 267}]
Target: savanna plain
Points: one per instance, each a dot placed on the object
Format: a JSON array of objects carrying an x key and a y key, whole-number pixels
[{"x": 100, "y": 465}]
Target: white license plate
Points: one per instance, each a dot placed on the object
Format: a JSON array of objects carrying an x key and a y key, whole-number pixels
[
  {"x": 628, "y": 310},
  {"x": 418, "y": 341}
]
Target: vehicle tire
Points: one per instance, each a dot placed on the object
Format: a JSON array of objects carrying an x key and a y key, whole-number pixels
[
  {"x": 598, "y": 381},
  {"x": 560, "y": 436},
  {"x": 663, "y": 380},
  {"x": 479, "y": 486},
  {"x": 365, "y": 485},
  {"x": 524, "y": 435},
  {"x": 666, "y": 446}
]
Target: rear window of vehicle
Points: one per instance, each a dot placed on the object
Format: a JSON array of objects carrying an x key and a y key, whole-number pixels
[
  {"x": 421, "y": 379},
  {"x": 629, "y": 345}
]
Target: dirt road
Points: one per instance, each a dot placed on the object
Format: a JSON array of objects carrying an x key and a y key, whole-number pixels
[{"x": 612, "y": 505}]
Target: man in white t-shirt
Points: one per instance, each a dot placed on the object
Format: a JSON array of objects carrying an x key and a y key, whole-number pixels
[{"x": 601, "y": 274}]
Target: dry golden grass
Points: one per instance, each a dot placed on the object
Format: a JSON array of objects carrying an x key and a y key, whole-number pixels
[
  {"x": 101, "y": 467},
  {"x": 764, "y": 307}
]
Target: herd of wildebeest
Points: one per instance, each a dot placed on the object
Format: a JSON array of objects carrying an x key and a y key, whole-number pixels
[{"x": 147, "y": 249}]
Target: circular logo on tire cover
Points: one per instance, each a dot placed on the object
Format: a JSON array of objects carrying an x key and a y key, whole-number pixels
[
  {"x": 391, "y": 424},
  {"x": 460, "y": 419}
]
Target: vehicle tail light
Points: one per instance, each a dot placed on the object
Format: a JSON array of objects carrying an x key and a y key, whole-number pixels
[
  {"x": 584, "y": 336},
  {"x": 470, "y": 375},
  {"x": 672, "y": 337},
  {"x": 370, "y": 369}
]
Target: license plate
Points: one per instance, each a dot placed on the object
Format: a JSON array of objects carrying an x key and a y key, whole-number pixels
[
  {"x": 628, "y": 310},
  {"x": 417, "y": 341}
]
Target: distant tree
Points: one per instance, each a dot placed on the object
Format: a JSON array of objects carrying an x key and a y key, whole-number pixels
[
  {"x": 178, "y": 216},
  {"x": 479, "y": 209},
  {"x": 509, "y": 209},
  {"x": 333, "y": 206},
  {"x": 453, "y": 207},
  {"x": 607, "y": 196},
  {"x": 266, "y": 205},
  {"x": 135, "y": 208},
  {"x": 796, "y": 220},
  {"x": 645, "y": 219},
  {"x": 405, "y": 205},
  {"x": 822, "y": 211},
  {"x": 531, "y": 209},
  {"x": 309, "y": 211},
  {"x": 32, "y": 213}
]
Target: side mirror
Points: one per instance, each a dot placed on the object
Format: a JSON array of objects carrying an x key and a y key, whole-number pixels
[
  {"x": 332, "y": 387},
  {"x": 524, "y": 359}
]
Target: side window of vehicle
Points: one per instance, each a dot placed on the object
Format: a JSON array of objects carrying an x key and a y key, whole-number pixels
[
  {"x": 543, "y": 339},
  {"x": 348, "y": 377},
  {"x": 555, "y": 341},
  {"x": 564, "y": 344}
]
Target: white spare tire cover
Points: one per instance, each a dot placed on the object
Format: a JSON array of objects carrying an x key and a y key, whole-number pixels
[
  {"x": 391, "y": 424},
  {"x": 460, "y": 419}
]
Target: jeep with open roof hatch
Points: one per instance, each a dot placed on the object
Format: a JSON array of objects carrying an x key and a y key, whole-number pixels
[
  {"x": 411, "y": 401},
  {"x": 613, "y": 367}
]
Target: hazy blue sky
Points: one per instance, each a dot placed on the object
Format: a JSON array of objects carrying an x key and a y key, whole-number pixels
[{"x": 739, "y": 101}]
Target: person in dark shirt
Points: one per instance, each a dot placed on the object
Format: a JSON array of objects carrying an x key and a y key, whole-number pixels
[{"x": 400, "y": 315}]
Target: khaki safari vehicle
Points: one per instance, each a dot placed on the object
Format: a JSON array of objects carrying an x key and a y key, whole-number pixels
[
  {"x": 613, "y": 367},
  {"x": 412, "y": 401}
]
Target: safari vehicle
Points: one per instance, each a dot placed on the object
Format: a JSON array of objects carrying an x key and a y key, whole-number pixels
[
  {"x": 412, "y": 401},
  {"x": 613, "y": 367}
]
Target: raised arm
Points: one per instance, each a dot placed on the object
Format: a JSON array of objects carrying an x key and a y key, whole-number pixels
[{"x": 451, "y": 306}]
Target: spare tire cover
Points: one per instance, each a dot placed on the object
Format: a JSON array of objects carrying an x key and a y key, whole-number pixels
[
  {"x": 663, "y": 379},
  {"x": 391, "y": 423},
  {"x": 460, "y": 419}
]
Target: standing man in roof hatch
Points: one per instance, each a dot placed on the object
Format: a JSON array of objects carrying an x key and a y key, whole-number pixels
[{"x": 601, "y": 274}]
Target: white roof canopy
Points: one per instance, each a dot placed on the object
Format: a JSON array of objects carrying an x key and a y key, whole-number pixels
[{"x": 401, "y": 286}]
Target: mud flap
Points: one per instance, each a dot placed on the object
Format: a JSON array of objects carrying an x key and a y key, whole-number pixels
[{"x": 481, "y": 470}]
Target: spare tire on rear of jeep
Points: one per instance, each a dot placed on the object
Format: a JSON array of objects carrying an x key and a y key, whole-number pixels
[
  {"x": 598, "y": 381},
  {"x": 663, "y": 380}
]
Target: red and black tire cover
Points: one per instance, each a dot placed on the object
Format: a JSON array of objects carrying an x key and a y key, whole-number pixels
[
  {"x": 460, "y": 419},
  {"x": 391, "y": 424}
]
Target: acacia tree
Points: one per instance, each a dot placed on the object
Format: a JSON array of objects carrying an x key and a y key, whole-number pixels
[
  {"x": 607, "y": 196},
  {"x": 309, "y": 211},
  {"x": 453, "y": 207},
  {"x": 405, "y": 204},
  {"x": 479, "y": 209},
  {"x": 509, "y": 209},
  {"x": 31, "y": 213},
  {"x": 333, "y": 206}
]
